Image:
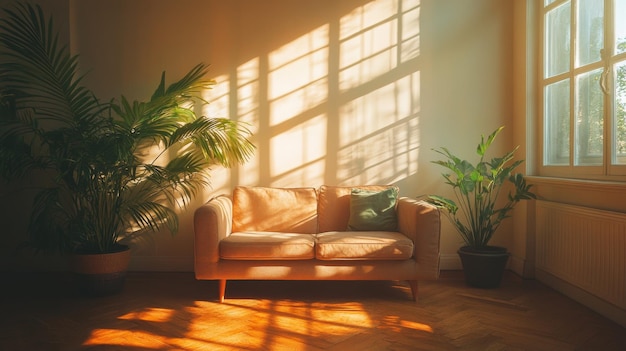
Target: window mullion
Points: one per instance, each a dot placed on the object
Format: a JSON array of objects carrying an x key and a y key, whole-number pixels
[
  {"x": 572, "y": 86},
  {"x": 606, "y": 54}
]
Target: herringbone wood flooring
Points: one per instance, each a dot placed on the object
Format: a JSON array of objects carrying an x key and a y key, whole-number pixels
[{"x": 172, "y": 311}]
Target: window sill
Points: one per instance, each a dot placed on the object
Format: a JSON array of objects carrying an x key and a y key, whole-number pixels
[
  {"x": 605, "y": 195},
  {"x": 578, "y": 183}
]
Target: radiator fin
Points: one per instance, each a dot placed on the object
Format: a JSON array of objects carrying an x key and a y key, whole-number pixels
[{"x": 585, "y": 247}]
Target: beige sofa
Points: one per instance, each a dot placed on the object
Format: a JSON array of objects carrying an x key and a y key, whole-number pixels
[{"x": 262, "y": 233}]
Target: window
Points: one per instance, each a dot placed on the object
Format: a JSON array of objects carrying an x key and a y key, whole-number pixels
[{"x": 583, "y": 85}]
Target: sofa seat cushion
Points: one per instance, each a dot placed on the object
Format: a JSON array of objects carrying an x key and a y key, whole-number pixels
[
  {"x": 267, "y": 246},
  {"x": 370, "y": 245}
]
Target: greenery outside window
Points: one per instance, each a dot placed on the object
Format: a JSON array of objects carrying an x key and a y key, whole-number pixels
[{"x": 583, "y": 85}]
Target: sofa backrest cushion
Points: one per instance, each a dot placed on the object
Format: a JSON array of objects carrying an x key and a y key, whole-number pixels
[
  {"x": 333, "y": 207},
  {"x": 292, "y": 210}
]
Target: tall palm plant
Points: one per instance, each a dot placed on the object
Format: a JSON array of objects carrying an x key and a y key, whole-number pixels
[{"x": 103, "y": 177}]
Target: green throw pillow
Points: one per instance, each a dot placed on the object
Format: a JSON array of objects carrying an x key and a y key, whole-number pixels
[{"x": 373, "y": 210}]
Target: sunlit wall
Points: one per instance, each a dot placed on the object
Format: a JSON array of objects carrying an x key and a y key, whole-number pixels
[
  {"x": 336, "y": 92},
  {"x": 331, "y": 93}
]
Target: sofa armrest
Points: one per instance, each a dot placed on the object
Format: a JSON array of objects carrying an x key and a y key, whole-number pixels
[
  {"x": 420, "y": 221},
  {"x": 212, "y": 223}
]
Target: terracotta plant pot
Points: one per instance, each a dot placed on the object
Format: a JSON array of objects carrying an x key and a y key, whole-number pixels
[
  {"x": 484, "y": 268},
  {"x": 100, "y": 274}
]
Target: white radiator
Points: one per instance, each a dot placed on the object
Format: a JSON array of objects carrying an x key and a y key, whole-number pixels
[{"x": 584, "y": 247}]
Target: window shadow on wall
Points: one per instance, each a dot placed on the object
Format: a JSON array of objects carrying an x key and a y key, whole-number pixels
[{"x": 331, "y": 94}]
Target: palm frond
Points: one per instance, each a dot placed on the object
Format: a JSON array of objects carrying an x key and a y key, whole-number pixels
[
  {"x": 102, "y": 183},
  {"x": 39, "y": 71},
  {"x": 191, "y": 84},
  {"x": 221, "y": 140}
]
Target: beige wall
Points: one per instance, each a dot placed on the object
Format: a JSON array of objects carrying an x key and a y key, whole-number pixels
[{"x": 336, "y": 92}]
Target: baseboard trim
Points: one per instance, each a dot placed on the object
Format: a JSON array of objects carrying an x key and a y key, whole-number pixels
[
  {"x": 616, "y": 314},
  {"x": 517, "y": 264},
  {"x": 160, "y": 264},
  {"x": 34, "y": 263},
  {"x": 450, "y": 262}
]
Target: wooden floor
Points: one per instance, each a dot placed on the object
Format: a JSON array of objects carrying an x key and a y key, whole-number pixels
[{"x": 172, "y": 311}]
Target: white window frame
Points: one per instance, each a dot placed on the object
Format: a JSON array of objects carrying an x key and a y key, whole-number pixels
[{"x": 607, "y": 170}]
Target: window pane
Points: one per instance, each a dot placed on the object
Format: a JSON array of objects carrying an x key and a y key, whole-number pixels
[
  {"x": 590, "y": 31},
  {"x": 589, "y": 119},
  {"x": 548, "y": 2},
  {"x": 557, "y": 39},
  {"x": 619, "y": 131},
  {"x": 620, "y": 26},
  {"x": 557, "y": 123}
]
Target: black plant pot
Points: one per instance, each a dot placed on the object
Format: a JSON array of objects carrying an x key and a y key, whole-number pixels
[{"x": 484, "y": 267}]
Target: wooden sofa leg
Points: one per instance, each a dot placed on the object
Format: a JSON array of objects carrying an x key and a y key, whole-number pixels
[
  {"x": 413, "y": 284},
  {"x": 222, "y": 291}
]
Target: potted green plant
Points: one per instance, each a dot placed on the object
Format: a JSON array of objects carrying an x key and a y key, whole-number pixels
[
  {"x": 106, "y": 168},
  {"x": 478, "y": 211}
]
